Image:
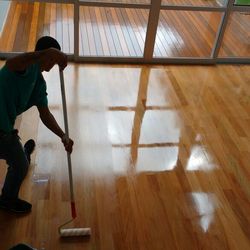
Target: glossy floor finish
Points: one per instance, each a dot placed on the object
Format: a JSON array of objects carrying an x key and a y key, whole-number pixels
[{"x": 161, "y": 160}]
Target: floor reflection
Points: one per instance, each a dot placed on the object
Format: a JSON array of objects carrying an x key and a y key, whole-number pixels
[
  {"x": 157, "y": 159},
  {"x": 205, "y": 205},
  {"x": 198, "y": 160},
  {"x": 152, "y": 135}
]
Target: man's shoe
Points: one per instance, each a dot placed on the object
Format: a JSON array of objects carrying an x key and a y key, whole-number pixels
[
  {"x": 15, "y": 206},
  {"x": 29, "y": 147}
]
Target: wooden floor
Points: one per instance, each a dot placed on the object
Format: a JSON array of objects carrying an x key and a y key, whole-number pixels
[
  {"x": 161, "y": 160},
  {"x": 121, "y": 32}
]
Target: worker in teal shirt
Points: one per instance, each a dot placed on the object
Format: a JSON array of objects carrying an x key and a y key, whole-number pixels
[{"x": 21, "y": 87}]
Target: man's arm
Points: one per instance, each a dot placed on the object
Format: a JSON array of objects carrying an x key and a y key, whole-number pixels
[
  {"x": 50, "y": 122},
  {"x": 46, "y": 58}
]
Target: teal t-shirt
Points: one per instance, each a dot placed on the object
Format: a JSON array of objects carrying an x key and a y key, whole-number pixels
[{"x": 19, "y": 92}]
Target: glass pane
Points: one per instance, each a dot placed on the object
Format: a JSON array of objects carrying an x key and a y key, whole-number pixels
[
  {"x": 186, "y": 33},
  {"x": 242, "y": 2},
  {"x": 24, "y": 23},
  {"x": 236, "y": 37},
  {"x": 112, "y": 31},
  {"x": 120, "y": 1},
  {"x": 210, "y": 3}
]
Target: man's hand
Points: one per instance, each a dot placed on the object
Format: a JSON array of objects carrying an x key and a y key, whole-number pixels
[
  {"x": 68, "y": 144},
  {"x": 50, "y": 122}
]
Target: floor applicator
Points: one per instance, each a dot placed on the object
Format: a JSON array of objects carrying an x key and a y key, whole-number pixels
[{"x": 70, "y": 231}]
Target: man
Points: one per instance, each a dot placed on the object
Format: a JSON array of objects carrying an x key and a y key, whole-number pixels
[{"x": 21, "y": 87}]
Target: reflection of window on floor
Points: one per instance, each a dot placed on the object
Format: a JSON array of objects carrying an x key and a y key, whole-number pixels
[
  {"x": 145, "y": 129},
  {"x": 4, "y": 8},
  {"x": 199, "y": 159},
  {"x": 205, "y": 205}
]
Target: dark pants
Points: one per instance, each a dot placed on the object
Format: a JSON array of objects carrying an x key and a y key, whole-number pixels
[{"x": 12, "y": 151}]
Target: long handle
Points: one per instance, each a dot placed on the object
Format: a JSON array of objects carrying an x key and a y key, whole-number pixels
[{"x": 65, "y": 116}]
